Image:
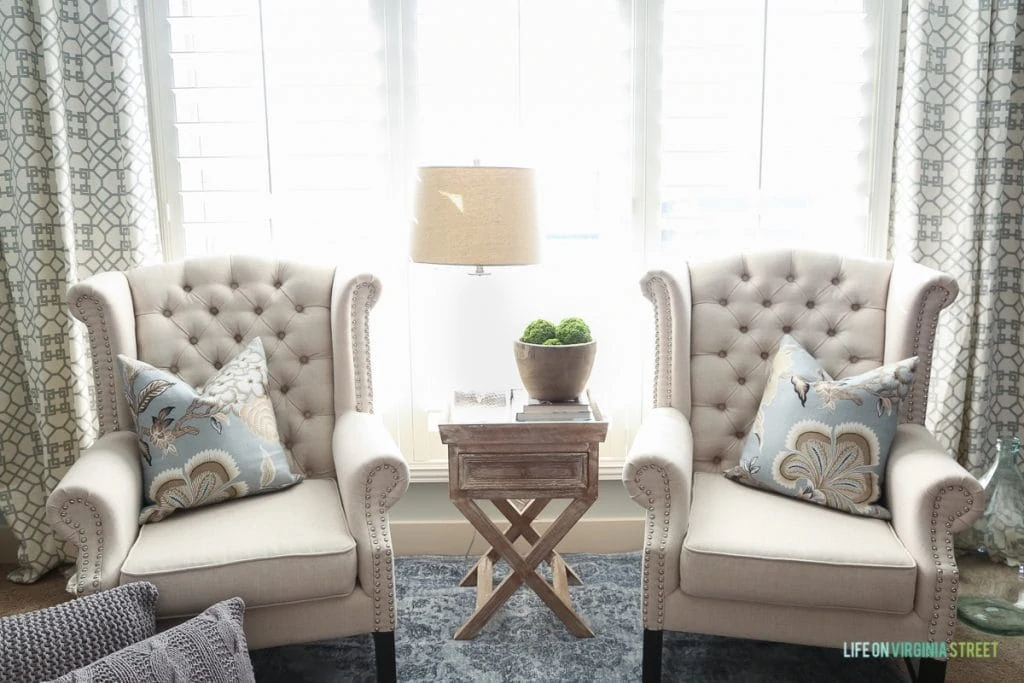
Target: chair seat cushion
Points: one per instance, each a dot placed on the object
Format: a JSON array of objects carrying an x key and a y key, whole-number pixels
[
  {"x": 751, "y": 545},
  {"x": 292, "y": 546}
]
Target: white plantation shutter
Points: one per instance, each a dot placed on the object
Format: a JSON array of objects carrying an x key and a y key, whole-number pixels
[
  {"x": 279, "y": 125},
  {"x": 769, "y": 125}
]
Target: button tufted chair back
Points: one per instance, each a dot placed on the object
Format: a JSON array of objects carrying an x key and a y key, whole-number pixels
[
  {"x": 192, "y": 317},
  {"x": 718, "y": 324}
]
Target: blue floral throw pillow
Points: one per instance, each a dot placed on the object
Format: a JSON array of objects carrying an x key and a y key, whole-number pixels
[
  {"x": 824, "y": 440},
  {"x": 207, "y": 445}
]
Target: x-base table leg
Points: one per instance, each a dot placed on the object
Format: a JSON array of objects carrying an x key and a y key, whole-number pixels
[
  {"x": 520, "y": 521},
  {"x": 524, "y": 569}
]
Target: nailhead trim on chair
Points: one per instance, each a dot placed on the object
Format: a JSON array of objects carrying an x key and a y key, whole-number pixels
[
  {"x": 363, "y": 298},
  {"x": 947, "y": 563},
  {"x": 649, "y": 531},
  {"x": 924, "y": 371},
  {"x": 380, "y": 542},
  {"x": 75, "y": 531},
  {"x": 662, "y": 339},
  {"x": 102, "y": 363}
]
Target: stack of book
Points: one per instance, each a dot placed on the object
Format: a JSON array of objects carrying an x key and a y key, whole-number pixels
[{"x": 529, "y": 409}]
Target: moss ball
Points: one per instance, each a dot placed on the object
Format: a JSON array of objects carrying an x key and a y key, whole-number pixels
[
  {"x": 573, "y": 331},
  {"x": 538, "y": 332}
]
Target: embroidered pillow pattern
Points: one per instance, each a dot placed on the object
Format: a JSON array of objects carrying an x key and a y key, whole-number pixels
[
  {"x": 208, "y": 445},
  {"x": 824, "y": 440}
]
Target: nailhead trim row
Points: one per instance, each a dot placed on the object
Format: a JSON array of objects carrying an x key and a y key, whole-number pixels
[
  {"x": 915, "y": 410},
  {"x": 363, "y": 298},
  {"x": 75, "y": 526},
  {"x": 380, "y": 543},
  {"x": 659, "y": 297},
  {"x": 92, "y": 312},
  {"x": 945, "y": 596},
  {"x": 655, "y": 540}
]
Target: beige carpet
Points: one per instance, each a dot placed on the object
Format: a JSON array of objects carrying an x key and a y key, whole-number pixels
[
  {"x": 16, "y": 598},
  {"x": 977, "y": 577}
]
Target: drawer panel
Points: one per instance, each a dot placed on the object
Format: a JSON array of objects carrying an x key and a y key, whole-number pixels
[{"x": 522, "y": 471}]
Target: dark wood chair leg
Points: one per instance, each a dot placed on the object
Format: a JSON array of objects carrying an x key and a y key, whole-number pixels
[
  {"x": 652, "y": 656},
  {"x": 384, "y": 649},
  {"x": 931, "y": 671}
]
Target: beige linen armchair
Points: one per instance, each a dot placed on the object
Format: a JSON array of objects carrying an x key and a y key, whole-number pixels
[
  {"x": 312, "y": 561},
  {"x": 721, "y": 558}
]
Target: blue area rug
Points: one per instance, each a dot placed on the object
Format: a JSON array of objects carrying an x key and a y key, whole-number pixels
[{"x": 524, "y": 641}]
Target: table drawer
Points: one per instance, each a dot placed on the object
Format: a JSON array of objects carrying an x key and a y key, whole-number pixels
[{"x": 522, "y": 471}]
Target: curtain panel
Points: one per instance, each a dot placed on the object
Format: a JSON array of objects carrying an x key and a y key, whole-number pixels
[
  {"x": 76, "y": 197},
  {"x": 957, "y": 198}
]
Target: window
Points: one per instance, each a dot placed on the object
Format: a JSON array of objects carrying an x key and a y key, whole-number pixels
[
  {"x": 660, "y": 129},
  {"x": 771, "y": 120},
  {"x": 274, "y": 125}
]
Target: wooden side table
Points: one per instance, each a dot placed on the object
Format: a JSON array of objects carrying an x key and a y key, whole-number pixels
[{"x": 505, "y": 461}]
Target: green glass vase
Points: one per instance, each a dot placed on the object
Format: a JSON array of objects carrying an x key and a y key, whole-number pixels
[
  {"x": 1001, "y": 526},
  {"x": 999, "y": 534}
]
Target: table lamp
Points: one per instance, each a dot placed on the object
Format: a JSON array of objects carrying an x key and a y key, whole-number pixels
[{"x": 475, "y": 216}]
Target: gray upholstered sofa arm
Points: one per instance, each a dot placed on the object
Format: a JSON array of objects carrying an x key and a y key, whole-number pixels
[
  {"x": 372, "y": 476},
  {"x": 931, "y": 497},
  {"x": 658, "y": 475},
  {"x": 96, "y": 507}
]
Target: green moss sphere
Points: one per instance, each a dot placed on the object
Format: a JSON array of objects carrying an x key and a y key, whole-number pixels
[
  {"x": 554, "y": 341},
  {"x": 538, "y": 332},
  {"x": 573, "y": 331}
]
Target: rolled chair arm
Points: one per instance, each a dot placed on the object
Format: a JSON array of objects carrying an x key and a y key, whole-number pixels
[
  {"x": 372, "y": 476},
  {"x": 931, "y": 498},
  {"x": 96, "y": 507},
  {"x": 658, "y": 476}
]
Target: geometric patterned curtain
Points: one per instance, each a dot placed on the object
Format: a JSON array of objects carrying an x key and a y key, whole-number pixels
[
  {"x": 958, "y": 189},
  {"x": 76, "y": 197}
]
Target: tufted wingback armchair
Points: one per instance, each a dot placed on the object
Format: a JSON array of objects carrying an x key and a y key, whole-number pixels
[
  {"x": 724, "y": 559},
  {"x": 312, "y": 561}
]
